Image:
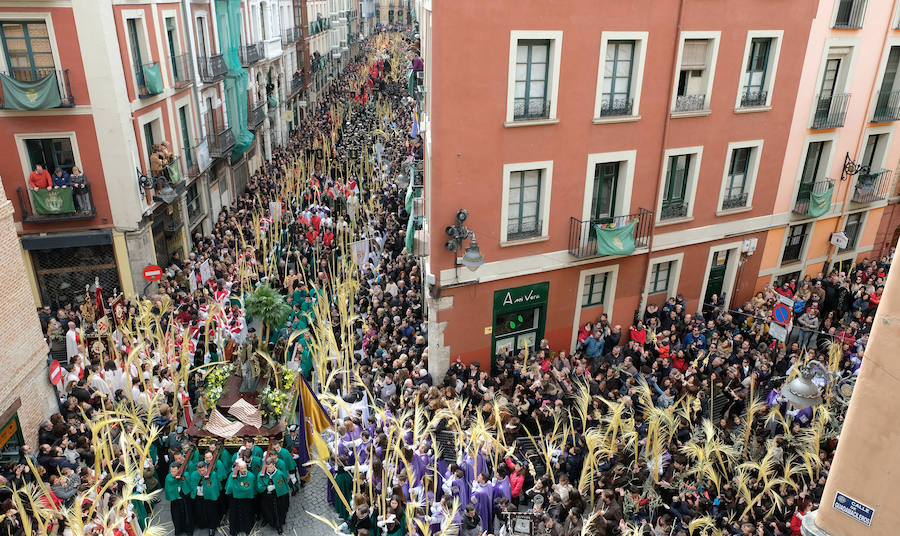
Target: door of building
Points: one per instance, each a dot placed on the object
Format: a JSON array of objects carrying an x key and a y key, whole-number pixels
[
  {"x": 716, "y": 278},
  {"x": 519, "y": 318}
]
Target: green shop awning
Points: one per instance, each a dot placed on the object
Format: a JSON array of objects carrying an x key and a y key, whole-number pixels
[
  {"x": 39, "y": 95},
  {"x": 53, "y": 201}
]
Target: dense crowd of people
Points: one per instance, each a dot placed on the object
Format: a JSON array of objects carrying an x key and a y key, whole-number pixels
[{"x": 602, "y": 441}]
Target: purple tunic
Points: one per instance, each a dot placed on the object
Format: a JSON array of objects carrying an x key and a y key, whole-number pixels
[
  {"x": 502, "y": 489},
  {"x": 483, "y": 499}
]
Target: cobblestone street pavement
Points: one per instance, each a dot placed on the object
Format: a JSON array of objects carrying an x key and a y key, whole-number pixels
[{"x": 311, "y": 498}]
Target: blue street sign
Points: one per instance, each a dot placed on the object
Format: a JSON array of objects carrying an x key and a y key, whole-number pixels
[
  {"x": 854, "y": 509},
  {"x": 781, "y": 314}
]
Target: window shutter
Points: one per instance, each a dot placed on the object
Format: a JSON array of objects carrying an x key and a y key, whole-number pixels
[{"x": 693, "y": 55}]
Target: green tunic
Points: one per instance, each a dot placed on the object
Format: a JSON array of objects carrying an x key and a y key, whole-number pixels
[
  {"x": 277, "y": 479},
  {"x": 212, "y": 485},
  {"x": 241, "y": 487},
  {"x": 345, "y": 489},
  {"x": 175, "y": 489}
]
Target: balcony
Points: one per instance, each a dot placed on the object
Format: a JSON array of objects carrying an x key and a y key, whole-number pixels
[
  {"x": 583, "y": 238},
  {"x": 887, "y": 107},
  {"x": 64, "y": 204},
  {"x": 221, "y": 143},
  {"x": 690, "y": 103},
  {"x": 296, "y": 85},
  {"x": 615, "y": 107},
  {"x": 673, "y": 209},
  {"x": 872, "y": 186},
  {"x": 754, "y": 99},
  {"x": 831, "y": 110},
  {"x": 256, "y": 116},
  {"x": 735, "y": 201},
  {"x": 149, "y": 80},
  {"x": 290, "y": 35},
  {"x": 850, "y": 14},
  {"x": 182, "y": 73},
  {"x": 51, "y": 84},
  {"x": 212, "y": 68},
  {"x": 807, "y": 189},
  {"x": 250, "y": 54}
]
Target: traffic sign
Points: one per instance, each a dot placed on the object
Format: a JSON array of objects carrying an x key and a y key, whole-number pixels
[
  {"x": 781, "y": 314},
  {"x": 153, "y": 273},
  {"x": 55, "y": 373}
]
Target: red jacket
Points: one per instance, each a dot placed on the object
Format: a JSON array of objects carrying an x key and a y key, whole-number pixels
[
  {"x": 40, "y": 180},
  {"x": 516, "y": 481}
]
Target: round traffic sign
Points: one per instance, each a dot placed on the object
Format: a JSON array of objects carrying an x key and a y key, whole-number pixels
[
  {"x": 153, "y": 273},
  {"x": 781, "y": 314},
  {"x": 55, "y": 372}
]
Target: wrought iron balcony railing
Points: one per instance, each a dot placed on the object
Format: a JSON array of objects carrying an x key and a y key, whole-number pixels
[
  {"x": 753, "y": 99},
  {"x": 831, "y": 110},
  {"x": 673, "y": 209},
  {"x": 58, "y": 208},
  {"x": 182, "y": 72},
  {"x": 256, "y": 116},
  {"x": 735, "y": 201},
  {"x": 221, "y": 143},
  {"x": 290, "y": 35},
  {"x": 690, "y": 103},
  {"x": 212, "y": 68},
  {"x": 872, "y": 186},
  {"x": 807, "y": 189},
  {"x": 583, "y": 238},
  {"x": 887, "y": 107},
  {"x": 296, "y": 85},
  {"x": 535, "y": 109},
  {"x": 250, "y": 54},
  {"x": 27, "y": 74},
  {"x": 613, "y": 107}
]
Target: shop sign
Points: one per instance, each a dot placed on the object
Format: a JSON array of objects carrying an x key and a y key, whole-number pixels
[
  {"x": 521, "y": 297},
  {"x": 8, "y": 431}
]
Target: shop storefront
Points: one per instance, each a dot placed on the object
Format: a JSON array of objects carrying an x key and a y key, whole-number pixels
[
  {"x": 520, "y": 316},
  {"x": 11, "y": 437}
]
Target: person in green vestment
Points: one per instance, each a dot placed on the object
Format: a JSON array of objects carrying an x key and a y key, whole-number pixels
[
  {"x": 275, "y": 493},
  {"x": 208, "y": 487},
  {"x": 241, "y": 486},
  {"x": 344, "y": 481},
  {"x": 178, "y": 492}
]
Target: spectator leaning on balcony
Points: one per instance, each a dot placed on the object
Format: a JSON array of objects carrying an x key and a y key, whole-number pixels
[
  {"x": 61, "y": 178},
  {"x": 79, "y": 183},
  {"x": 39, "y": 178}
]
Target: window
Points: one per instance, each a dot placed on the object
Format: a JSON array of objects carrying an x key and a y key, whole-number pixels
[
  {"x": 617, "y": 78},
  {"x": 786, "y": 278},
  {"x": 851, "y": 228},
  {"x": 136, "y": 57},
  {"x": 27, "y": 48},
  {"x": 831, "y": 103},
  {"x": 659, "y": 277},
  {"x": 201, "y": 37},
  {"x": 812, "y": 179},
  {"x": 194, "y": 205},
  {"x": 696, "y": 70},
  {"x": 674, "y": 203},
  {"x": 756, "y": 79},
  {"x": 149, "y": 140},
  {"x": 532, "y": 59},
  {"x": 594, "y": 290},
  {"x": 172, "y": 40},
  {"x": 52, "y": 153},
  {"x": 735, "y": 196},
  {"x": 524, "y": 204},
  {"x": 187, "y": 150},
  {"x": 793, "y": 247},
  {"x": 741, "y": 167},
  {"x": 873, "y": 154},
  {"x": 606, "y": 184},
  {"x": 887, "y": 107},
  {"x": 533, "y": 82},
  {"x": 849, "y": 14}
]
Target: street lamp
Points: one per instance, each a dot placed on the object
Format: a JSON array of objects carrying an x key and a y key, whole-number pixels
[
  {"x": 851, "y": 168},
  {"x": 802, "y": 392},
  {"x": 458, "y": 233}
]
